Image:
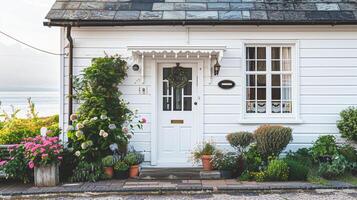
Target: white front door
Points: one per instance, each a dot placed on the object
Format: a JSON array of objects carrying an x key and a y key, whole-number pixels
[{"x": 177, "y": 116}]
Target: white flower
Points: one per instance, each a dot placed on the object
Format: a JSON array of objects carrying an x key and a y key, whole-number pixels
[
  {"x": 101, "y": 132},
  {"x": 77, "y": 153},
  {"x": 113, "y": 147},
  {"x": 105, "y": 134},
  {"x": 112, "y": 126},
  {"x": 79, "y": 133},
  {"x": 79, "y": 126},
  {"x": 70, "y": 128},
  {"x": 73, "y": 117},
  {"x": 70, "y": 149},
  {"x": 94, "y": 118},
  {"x": 103, "y": 117},
  {"x": 84, "y": 145},
  {"x": 125, "y": 130},
  {"x": 90, "y": 143}
]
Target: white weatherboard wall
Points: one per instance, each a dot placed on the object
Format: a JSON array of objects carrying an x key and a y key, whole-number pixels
[{"x": 327, "y": 67}]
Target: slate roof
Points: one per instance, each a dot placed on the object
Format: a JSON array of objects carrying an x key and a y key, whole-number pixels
[{"x": 166, "y": 12}]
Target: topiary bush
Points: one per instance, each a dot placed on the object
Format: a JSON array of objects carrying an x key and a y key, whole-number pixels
[
  {"x": 348, "y": 123},
  {"x": 277, "y": 170},
  {"x": 271, "y": 140},
  {"x": 240, "y": 140},
  {"x": 297, "y": 171},
  {"x": 324, "y": 146}
]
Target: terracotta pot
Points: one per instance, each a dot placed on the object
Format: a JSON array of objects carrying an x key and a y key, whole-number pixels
[
  {"x": 134, "y": 171},
  {"x": 206, "y": 162},
  {"x": 109, "y": 171}
]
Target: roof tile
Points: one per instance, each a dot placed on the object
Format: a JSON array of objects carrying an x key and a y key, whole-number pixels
[
  {"x": 242, "y": 6},
  {"x": 174, "y": 15},
  {"x": 190, "y": 6},
  {"x": 218, "y": 6},
  {"x": 150, "y": 15},
  {"x": 327, "y": 6},
  {"x": 127, "y": 15},
  {"x": 202, "y": 15},
  {"x": 230, "y": 15}
]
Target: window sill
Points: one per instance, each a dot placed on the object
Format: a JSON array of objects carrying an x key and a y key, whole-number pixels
[{"x": 267, "y": 120}]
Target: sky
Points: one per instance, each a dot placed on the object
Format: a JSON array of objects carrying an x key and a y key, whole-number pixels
[{"x": 22, "y": 68}]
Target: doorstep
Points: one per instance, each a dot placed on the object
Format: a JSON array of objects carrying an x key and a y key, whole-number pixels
[{"x": 135, "y": 186}]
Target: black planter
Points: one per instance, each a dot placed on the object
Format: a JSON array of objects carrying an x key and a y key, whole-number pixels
[
  {"x": 226, "y": 174},
  {"x": 122, "y": 174}
]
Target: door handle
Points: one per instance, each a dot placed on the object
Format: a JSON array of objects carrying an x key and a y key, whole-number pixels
[{"x": 195, "y": 103}]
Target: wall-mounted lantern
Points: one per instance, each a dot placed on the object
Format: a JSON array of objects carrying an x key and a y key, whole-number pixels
[
  {"x": 135, "y": 67},
  {"x": 216, "y": 68}
]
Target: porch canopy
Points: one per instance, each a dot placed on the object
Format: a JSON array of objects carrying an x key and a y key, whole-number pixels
[{"x": 138, "y": 54}]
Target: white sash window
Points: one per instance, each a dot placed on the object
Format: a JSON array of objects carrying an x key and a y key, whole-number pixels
[{"x": 269, "y": 82}]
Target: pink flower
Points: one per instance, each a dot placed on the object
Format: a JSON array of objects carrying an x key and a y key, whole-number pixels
[
  {"x": 59, "y": 157},
  {"x": 143, "y": 120},
  {"x": 3, "y": 162},
  {"x": 31, "y": 165},
  {"x": 42, "y": 150}
]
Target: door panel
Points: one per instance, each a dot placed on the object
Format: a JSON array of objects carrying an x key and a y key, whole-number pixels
[{"x": 176, "y": 116}]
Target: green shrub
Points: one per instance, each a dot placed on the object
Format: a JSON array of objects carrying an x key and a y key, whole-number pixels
[
  {"x": 225, "y": 161},
  {"x": 67, "y": 165},
  {"x": 87, "y": 171},
  {"x": 121, "y": 166},
  {"x": 349, "y": 152},
  {"x": 253, "y": 160},
  {"x": 297, "y": 170},
  {"x": 16, "y": 167},
  {"x": 277, "y": 170},
  {"x": 134, "y": 158},
  {"x": 324, "y": 146},
  {"x": 206, "y": 148},
  {"x": 16, "y": 129},
  {"x": 108, "y": 161},
  {"x": 337, "y": 167},
  {"x": 259, "y": 176},
  {"x": 271, "y": 140},
  {"x": 348, "y": 123},
  {"x": 302, "y": 156},
  {"x": 240, "y": 140}
]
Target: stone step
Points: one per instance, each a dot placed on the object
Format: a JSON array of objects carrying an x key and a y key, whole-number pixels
[{"x": 177, "y": 174}]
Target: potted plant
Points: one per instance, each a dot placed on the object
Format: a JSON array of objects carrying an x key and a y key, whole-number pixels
[
  {"x": 108, "y": 163},
  {"x": 121, "y": 170},
  {"x": 204, "y": 153},
  {"x": 134, "y": 159},
  {"x": 225, "y": 163},
  {"x": 44, "y": 155}
]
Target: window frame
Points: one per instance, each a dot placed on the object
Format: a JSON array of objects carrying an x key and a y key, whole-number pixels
[{"x": 294, "y": 116}]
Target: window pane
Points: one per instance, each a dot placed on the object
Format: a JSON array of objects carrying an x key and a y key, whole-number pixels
[
  {"x": 261, "y": 93},
  {"x": 187, "y": 90},
  {"x": 166, "y": 103},
  {"x": 188, "y": 72},
  {"x": 177, "y": 99},
  {"x": 286, "y": 65},
  {"x": 286, "y": 53},
  {"x": 250, "y": 107},
  {"x": 261, "y": 80},
  {"x": 250, "y": 52},
  {"x": 250, "y": 94},
  {"x": 261, "y": 52},
  {"x": 275, "y": 53},
  {"x": 187, "y": 103},
  {"x": 261, "y": 107},
  {"x": 275, "y": 80},
  {"x": 250, "y": 80},
  {"x": 286, "y": 93},
  {"x": 275, "y": 93},
  {"x": 166, "y": 89},
  {"x": 261, "y": 66},
  {"x": 250, "y": 65},
  {"x": 286, "y": 79},
  {"x": 287, "y": 107},
  {"x": 276, "y": 107},
  {"x": 275, "y": 65}
]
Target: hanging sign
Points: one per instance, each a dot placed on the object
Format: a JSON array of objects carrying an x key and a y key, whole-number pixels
[{"x": 226, "y": 84}]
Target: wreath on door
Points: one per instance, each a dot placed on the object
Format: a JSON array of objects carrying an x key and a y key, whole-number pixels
[{"x": 178, "y": 77}]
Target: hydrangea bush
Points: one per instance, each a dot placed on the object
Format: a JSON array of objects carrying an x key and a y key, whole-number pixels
[{"x": 103, "y": 118}]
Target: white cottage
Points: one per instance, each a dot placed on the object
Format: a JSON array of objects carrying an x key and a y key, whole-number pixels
[{"x": 249, "y": 62}]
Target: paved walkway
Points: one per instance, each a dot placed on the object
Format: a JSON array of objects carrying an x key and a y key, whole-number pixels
[{"x": 133, "y": 186}]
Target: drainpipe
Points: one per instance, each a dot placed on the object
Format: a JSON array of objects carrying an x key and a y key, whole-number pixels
[{"x": 70, "y": 74}]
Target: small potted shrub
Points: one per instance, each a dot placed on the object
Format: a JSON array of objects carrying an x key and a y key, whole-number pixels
[
  {"x": 225, "y": 163},
  {"x": 134, "y": 159},
  {"x": 108, "y": 163},
  {"x": 44, "y": 155},
  {"x": 204, "y": 153},
  {"x": 121, "y": 170}
]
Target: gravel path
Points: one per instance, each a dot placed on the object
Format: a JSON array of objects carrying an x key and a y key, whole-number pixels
[{"x": 299, "y": 195}]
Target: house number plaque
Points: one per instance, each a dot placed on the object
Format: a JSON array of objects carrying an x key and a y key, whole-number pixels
[
  {"x": 226, "y": 84},
  {"x": 176, "y": 121}
]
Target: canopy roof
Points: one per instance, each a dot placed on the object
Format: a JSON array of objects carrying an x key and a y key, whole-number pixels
[{"x": 201, "y": 12}]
